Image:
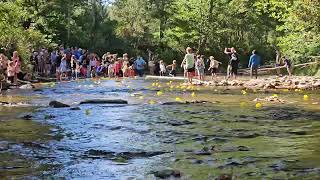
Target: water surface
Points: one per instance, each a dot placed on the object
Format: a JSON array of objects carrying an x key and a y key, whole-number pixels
[{"x": 226, "y": 135}]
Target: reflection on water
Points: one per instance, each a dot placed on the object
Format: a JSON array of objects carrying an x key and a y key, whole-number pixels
[{"x": 226, "y": 135}]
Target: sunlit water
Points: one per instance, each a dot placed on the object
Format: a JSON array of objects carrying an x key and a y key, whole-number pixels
[{"x": 228, "y": 135}]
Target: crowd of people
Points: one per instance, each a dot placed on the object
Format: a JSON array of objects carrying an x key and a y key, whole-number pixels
[
  {"x": 10, "y": 68},
  {"x": 74, "y": 63}
]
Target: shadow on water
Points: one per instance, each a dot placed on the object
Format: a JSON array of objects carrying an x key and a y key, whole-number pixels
[{"x": 99, "y": 141}]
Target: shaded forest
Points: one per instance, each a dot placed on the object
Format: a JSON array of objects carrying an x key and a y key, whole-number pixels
[{"x": 164, "y": 27}]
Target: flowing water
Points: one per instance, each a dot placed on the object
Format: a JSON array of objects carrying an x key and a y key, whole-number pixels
[{"x": 226, "y": 135}]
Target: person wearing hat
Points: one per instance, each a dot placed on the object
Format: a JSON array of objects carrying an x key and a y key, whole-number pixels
[{"x": 214, "y": 65}]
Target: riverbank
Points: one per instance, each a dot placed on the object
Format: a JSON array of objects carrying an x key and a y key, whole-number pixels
[{"x": 265, "y": 82}]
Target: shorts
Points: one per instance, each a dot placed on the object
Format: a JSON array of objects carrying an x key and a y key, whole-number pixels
[
  {"x": 201, "y": 71},
  {"x": 190, "y": 70},
  {"x": 234, "y": 70},
  {"x": 254, "y": 67},
  {"x": 213, "y": 70},
  {"x": 11, "y": 79},
  {"x": 173, "y": 72}
]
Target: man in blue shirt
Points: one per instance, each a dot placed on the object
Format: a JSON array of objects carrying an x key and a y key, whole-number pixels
[
  {"x": 254, "y": 63},
  {"x": 139, "y": 65}
]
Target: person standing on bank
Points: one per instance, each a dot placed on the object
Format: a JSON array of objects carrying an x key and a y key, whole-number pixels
[
  {"x": 214, "y": 65},
  {"x": 233, "y": 62},
  {"x": 254, "y": 63},
  {"x": 139, "y": 65},
  {"x": 189, "y": 63},
  {"x": 17, "y": 66},
  {"x": 288, "y": 65}
]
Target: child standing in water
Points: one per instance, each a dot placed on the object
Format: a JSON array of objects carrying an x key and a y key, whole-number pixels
[
  {"x": 63, "y": 67},
  {"x": 173, "y": 67},
  {"x": 188, "y": 63},
  {"x": 200, "y": 67},
  {"x": 11, "y": 71},
  {"x": 17, "y": 65},
  {"x": 214, "y": 65},
  {"x": 162, "y": 68},
  {"x": 117, "y": 68}
]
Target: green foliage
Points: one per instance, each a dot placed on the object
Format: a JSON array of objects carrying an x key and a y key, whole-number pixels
[
  {"x": 313, "y": 70},
  {"x": 12, "y": 34},
  {"x": 166, "y": 27}
]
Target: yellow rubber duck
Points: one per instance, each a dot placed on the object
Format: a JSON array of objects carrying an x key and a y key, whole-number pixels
[
  {"x": 152, "y": 102},
  {"x": 258, "y": 105},
  {"x": 159, "y": 93},
  {"x": 88, "y": 112},
  {"x": 243, "y": 104}
]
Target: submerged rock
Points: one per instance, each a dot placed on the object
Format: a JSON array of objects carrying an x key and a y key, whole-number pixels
[
  {"x": 57, "y": 104},
  {"x": 186, "y": 102},
  {"x": 4, "y": 145},
  {"x": 291, "y": 113},
  {"x": 33, "y": 145},
  {"x": 49, "y": 116},
  {"x": 104, "y": 101},
  {"x": 27, "y": 117},
  {"x": 234, "y": 149},
  {"x": 298, "y": 132},
  {"x": 180, "y": 123},
  {"x": 224, "y": 177},
  {"x": 202, "y": 153},
  {"x": 270, "y": 99},
  {"x": 173, "y": 103},
  {"x": 75, "y": 108},
  {"x": 167, "y": 173},
  {"x": 92, "y": 153}
]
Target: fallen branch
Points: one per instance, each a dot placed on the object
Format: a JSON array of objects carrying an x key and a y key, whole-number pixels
[{"x": 283, "y": 67}]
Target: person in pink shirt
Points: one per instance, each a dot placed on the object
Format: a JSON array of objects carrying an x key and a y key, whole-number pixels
[
  {"x": 17, "y": 65},
  {"x": 117, "y": 67}
]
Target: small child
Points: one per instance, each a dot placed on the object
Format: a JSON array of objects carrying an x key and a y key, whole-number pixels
[
  {"x": 11, "y": 71},
  {"x": 117, "y": 68},
  {"x": 200, "y": 67},
  {"x": 111, "y": 70},
  {"x": 162, "y": 68},
  {"x": 63, "y": 68},
  {"x": 173, "y": 66},
  {"x": 214, "y": 65}
]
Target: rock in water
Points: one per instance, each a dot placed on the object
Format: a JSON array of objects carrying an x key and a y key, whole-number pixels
[
  {"x": 167, "y": 173},
  {"x": 4, "y": 145},
  {"x": 75, "y": 108},
  {"x": 27, "y": 117},
  {"x": 26, "y": 86},
  {"x": 224, "y": 177},
  {"x": 56, "y": 104},
  {"x": 104, "y": 101}
]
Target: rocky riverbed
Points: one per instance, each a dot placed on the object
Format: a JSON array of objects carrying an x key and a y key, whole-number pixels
[{"x": 273, "y": 82}]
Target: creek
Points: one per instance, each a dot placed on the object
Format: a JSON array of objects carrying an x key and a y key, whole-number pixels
[{"x": 222, "y": 133}]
